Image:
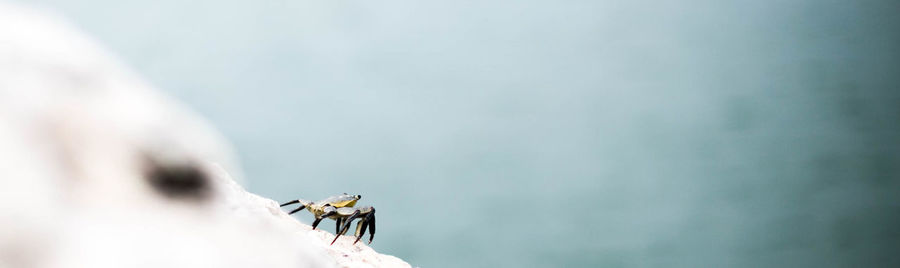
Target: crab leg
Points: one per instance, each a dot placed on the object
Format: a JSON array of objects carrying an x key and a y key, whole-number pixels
[
  {"x": 346, "y": 225},
  {"x": 360, "y": 229},
  {"x": 291, "y": 202},
  {"x": 296, "y": 210},
  {"x": 337, "y": 227},
  {"x": 319, "y": 219}
]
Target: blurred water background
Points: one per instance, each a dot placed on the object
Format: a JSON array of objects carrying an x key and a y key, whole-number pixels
[{"x": 552, "y": 133}]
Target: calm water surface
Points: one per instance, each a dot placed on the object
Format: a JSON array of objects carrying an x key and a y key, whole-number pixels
[{"x": 553, "y": 133}]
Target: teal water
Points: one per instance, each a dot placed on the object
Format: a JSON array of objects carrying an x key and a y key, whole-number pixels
[{"x": 553, "y": 133}]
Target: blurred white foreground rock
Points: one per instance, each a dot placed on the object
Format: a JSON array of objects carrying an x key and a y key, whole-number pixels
[{"x": 97, "y": 169}]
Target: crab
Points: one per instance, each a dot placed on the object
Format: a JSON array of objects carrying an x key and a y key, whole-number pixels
[{"x": 340, "y": 209}]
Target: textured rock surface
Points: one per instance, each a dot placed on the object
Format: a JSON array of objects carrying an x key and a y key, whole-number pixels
[
  {"x": 344, "y": 252},
  {"x": 98, "y": 169}
]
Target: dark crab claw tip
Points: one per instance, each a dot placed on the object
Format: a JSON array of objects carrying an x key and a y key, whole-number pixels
[
  {"x": 371, "y": 221},
  {"x": 357, "y": 239},
  {"x": 290, "y": 203},
  {"x": 360, "y": 230},
  {"x": 335, "y": 239}
]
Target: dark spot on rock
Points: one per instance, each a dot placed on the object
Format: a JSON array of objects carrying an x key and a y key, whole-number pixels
[{"x": 178, "y": 181}]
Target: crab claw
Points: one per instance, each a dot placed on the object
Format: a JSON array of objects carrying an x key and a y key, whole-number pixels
[{"x": 371, "y": 220}]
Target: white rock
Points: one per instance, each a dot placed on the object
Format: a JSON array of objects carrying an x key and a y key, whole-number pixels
[{"x": 79, "y": 134}]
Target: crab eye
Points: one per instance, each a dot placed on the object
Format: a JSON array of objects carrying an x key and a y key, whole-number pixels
[{"x": 358, "y": 196}]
